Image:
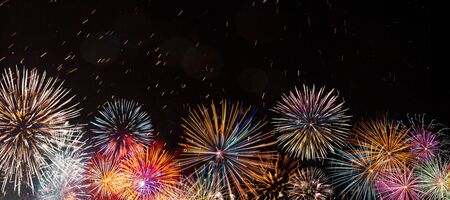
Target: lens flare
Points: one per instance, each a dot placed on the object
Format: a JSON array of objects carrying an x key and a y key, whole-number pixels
[
  {"x": 64, "y": 177},
  {"x": 149, "y": 175},
  {"x": 227, "y": 141},
  {"x": 122, "y": 127},
  {"x": 312, "y": 123},
  {"x": 104, "y": 179},
  {"x": 33, "y": 108},
  {"x": 310, "y": 184}
]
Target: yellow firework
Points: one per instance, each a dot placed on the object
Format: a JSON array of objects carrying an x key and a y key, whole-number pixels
[{"x": 383, "y": 142}]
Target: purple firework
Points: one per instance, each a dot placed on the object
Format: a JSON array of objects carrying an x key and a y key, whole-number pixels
[{"x": 424, "y": 138}]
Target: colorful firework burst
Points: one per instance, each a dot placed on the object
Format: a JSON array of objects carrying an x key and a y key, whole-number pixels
[
  {"x": 229, "y": 142},
  {"x": 150, "y": 174},
  {"x": 383, "y": 142},
  {"x": 310, "y": 184},
  {"x": 32, "y": 108},
  {"x": 354, "y": 174},
  {"x": 64, "y": 177},
  {"x": 425, "y": 144},
  {"x": 271, "y": 181},
  {"x": 434, "y": 179},
  {"x": 104, "y": 179},
  {"x": 398, "y": 184},
  {"x": 312, "y": 123},
  {"x": 122, "y": 128}
]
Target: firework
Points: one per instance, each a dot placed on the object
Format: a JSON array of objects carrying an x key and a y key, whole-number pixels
[
  {"x": 310, "y": 184},
  {"x": 228, "y": 141},
  {"x": 425, "y": 144},
  {"x": 398, "y": 184},
  {"x": 150, "y": 174},
  {"x": 434, "y": 179},
  {"x": 63, "y": 178},
  {"x": 122, "y": 128},
  {"x": 32, "y": 108},
  {"x": 104, "y": 179},
  {"x": 384, "y": 142},
  {"x": 198, "y": 187},
  {"x": 354, "y": 174},
  {"x": 271, "y": 181},
  {"x": 311, "y": 123}
]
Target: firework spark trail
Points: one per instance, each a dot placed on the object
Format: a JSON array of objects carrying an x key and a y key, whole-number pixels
[
  {"x": 310, "y": 184},
  {"x": 149, "y": 175},
  {"x": 32, "y": 108},
  {"x": 64, "y": 177},
  {"x": 312, "y": 123},
  {"x": 228, "y": 141},
  {"x": 122, "y": 128},
  {"x": 398, "y": 184}
]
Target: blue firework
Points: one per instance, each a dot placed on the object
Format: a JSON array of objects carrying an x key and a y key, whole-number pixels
[{"x": 122, "y": 127}]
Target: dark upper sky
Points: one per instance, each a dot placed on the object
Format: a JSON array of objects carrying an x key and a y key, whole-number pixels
[{"x": 167, "y": 54}]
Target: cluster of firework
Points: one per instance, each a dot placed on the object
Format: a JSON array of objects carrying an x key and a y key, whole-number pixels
[{"x": 225, "y": 153}]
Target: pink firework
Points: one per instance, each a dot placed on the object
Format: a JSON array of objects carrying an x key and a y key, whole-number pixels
[
  {"x": 424, "y": 145},
  {"x": 398, "y": 185},
  {"x": 424, "y": 138}
]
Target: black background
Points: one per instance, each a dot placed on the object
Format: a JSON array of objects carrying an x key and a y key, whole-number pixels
[{"x": 168, "y": 54}]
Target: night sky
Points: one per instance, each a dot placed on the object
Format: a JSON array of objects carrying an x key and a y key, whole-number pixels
[{"x": 169, "y": 54}]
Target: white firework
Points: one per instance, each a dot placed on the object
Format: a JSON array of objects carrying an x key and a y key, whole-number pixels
[{"x": 64, "y": 178}]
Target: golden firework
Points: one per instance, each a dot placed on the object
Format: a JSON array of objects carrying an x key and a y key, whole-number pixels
[
  {"x": 383, "y": 142},
  {"x": 105, "y": 181}
]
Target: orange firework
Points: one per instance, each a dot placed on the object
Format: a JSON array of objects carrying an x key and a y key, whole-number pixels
[
  {"x": 149, "y": 175},
  {"x": 105, "y": 181},
  {"x": 384, "y": 143}
]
